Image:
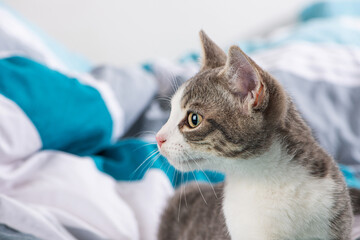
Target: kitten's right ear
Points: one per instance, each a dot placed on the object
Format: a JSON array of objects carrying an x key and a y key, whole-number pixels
[{"x": 213, "y": 56}]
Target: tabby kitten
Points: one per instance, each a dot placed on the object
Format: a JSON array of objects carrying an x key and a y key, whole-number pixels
[{"x": 233, "y": 117}]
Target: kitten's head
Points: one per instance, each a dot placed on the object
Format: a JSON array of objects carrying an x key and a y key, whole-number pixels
[{"x": 227, "y": 112}]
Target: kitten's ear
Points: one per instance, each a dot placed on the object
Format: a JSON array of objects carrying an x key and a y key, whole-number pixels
[
  {"x": 244, "y": 78},
  {"x": 213, "y": 55}
]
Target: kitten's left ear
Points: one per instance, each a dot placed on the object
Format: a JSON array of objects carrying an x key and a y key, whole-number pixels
[
  {"x": 244, "y": 78},
  {"x": 213, "y": 56}
]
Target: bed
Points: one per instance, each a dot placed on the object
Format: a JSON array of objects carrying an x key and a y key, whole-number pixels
[{"x": 77, "y": 152}]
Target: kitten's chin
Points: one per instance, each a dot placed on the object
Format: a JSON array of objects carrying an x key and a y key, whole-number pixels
[
  {"x": 179, "y": 165},
  {"x": 186, "y": 165}
]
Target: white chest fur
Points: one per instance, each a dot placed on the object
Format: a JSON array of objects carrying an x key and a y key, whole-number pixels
[{"x": 288, "y": 204}]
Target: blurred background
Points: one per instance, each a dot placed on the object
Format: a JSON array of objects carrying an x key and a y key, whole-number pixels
[
  {"x": 85, "y": 85},
  {"x": 128, "y": 32}
]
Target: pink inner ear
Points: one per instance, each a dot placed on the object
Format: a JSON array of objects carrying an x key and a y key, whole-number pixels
[
  {"x": 259, "y": 96},
  {"x": 244, "y": 81},
  {"x": 247, "y": 82},
  {"x": 242, "y": 75}
]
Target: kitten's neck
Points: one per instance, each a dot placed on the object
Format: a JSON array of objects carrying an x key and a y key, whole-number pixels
[{"x": 271, "y": 164}]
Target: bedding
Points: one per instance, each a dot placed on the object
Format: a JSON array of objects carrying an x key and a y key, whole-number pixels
[{"x": 70, "y": 167}]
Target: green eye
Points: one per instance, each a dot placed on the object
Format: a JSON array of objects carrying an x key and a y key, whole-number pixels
[{"x": 194, "y": 119}]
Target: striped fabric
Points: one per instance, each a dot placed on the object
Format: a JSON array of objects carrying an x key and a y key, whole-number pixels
[
  {"x": 59, "y": 126},
  {"x": 65, "y": 173}
]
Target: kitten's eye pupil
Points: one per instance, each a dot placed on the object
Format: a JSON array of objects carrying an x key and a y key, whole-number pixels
[{"x": 194, "y": 119}]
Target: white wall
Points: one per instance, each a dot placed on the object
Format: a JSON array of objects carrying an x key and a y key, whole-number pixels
[{"x": 126, "y": 32}]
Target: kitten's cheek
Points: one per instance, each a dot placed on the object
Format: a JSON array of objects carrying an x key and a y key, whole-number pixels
[{"x": 163, "y": 151}]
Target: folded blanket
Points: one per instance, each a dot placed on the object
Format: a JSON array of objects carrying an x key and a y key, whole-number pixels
[{"x": 56, "y": 132}]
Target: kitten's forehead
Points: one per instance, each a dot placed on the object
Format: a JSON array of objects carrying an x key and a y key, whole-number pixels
[{"x": 203, "y": 87}]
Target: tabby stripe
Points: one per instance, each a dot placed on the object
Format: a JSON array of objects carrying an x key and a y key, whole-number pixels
[
  {"x": 202, "y": 143},
  {"x": 223, "y": 132},
  {"x": 186, "y": 98},
  {"x": 198, "y": 135}
]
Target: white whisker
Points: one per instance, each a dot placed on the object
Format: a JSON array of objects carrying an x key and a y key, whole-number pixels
[
  {"x": 187, "y": 179},
  {"x": 150, "y": 164},
  {"x": 151, "y": 154},
  {"x": 147, "y": 144},
  {"x": 198, "y": 185},
  {"x": 181, "y": 189},
  {"x": 211, "y": 185}
]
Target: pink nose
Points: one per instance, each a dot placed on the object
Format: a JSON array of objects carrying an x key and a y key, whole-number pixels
[{"x": 160, "y": 140}]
